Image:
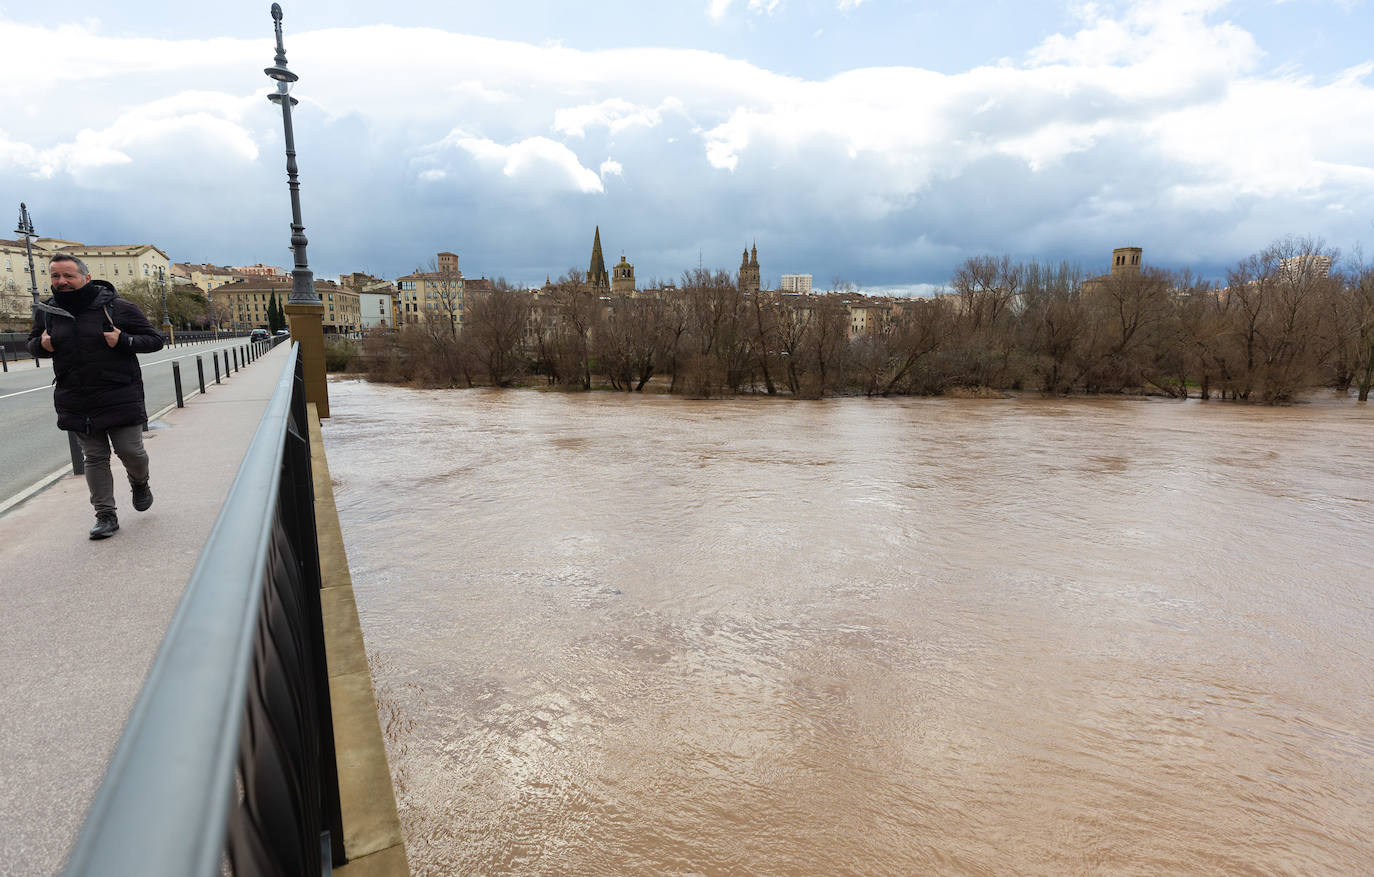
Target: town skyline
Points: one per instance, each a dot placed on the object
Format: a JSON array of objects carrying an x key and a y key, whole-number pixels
[{"x": 1197, "y": 130}]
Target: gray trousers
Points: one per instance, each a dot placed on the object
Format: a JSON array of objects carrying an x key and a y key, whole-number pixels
[{"x": 127, "y": 442}]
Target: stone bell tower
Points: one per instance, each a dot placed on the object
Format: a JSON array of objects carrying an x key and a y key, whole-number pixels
[
  {"x": 1126, "y": 260},
  {"x": 623, "y": 277}
]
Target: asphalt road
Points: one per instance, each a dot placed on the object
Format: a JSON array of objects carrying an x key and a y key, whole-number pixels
[{"x": 31, "y": 445}]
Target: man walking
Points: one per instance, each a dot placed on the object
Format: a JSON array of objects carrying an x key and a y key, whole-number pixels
[{"x": 94, "y": 338}]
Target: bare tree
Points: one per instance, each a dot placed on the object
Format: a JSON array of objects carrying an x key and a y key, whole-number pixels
[
  {"x": 919, "y": 329},
  {"x": 765, "y": 307},
  {"x": 1358, "y": 316},
  {"x": 829, "y": 342},
  {"x": 987, "y": 293},
  {"x": 717, "y": 353},
  {"x": 443, "y": 297},
  {"x": 634, "y": 340},
  {"x": 1052, "y": 325},
  {"x": 1201, "y": 328},
  {"x": 569, "y": 315},
  {"x": 494, "y": 327},
  {"x": 1125, "y": 312},
  {"x": 794, "y": 321}
]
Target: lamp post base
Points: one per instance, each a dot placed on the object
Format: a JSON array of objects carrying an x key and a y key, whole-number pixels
[
  {"x": 167, "y": 330},
  {"x": 306, "y": 324}
]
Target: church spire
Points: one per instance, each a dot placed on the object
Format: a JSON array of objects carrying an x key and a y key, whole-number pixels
[{"x": 596, "y": 272}]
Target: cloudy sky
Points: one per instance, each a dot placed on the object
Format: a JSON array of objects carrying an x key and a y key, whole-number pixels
[{"x": 879, "y": 142}]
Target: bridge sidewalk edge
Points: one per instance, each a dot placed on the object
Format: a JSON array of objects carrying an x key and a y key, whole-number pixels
[{"x": 372, "y": 829}]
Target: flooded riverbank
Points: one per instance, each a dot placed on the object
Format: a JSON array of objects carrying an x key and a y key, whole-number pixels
[{"x": 637, "y": 635}]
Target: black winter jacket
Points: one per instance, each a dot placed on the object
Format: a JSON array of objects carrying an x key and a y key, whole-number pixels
[{"x": 97, "y": 386}]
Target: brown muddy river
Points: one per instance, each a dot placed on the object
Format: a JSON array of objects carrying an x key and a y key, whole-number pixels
[{"x": 651, "y": 636}]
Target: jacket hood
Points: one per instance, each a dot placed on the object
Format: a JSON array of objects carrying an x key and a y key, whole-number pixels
[{"x": 105, "y": 292}]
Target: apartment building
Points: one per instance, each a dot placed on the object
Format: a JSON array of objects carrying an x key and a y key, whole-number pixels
[
  {"x": 243, "y": 304},
  {"x": 16, "y": 301},
  {"x": 117, "y": 263},
  {"x": 207, "y": 276},
  {"x": 258, "y": 270},
  {"x": 430, "y": 296}
]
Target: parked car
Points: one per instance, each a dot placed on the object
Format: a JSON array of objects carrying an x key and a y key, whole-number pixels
[{"x": 258, "y": 335}]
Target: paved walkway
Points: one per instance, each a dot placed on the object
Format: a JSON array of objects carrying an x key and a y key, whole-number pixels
[{"x": 82, "y": 620}]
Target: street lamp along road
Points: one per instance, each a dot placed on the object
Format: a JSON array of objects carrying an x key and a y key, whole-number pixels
[
  {"x": 302, "y": 279},
  {"x": 304, "y": 308},
  {"x": 162, "y": 288},
  {"x": 26, "y": 230}
]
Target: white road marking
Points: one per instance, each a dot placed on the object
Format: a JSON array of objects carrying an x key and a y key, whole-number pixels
[
  {"x": 22, "y": 392},
  {"x": 141, "y": 364}
]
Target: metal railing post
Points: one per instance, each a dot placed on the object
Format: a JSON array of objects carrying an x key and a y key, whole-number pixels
[
  {"x": 78, "y": 457},
  {"x": 200, "y": 373},
  {"x": 176, "y": 382},
  {"x": 214, "y": 354},
  {"x": 3, "y": 360}
]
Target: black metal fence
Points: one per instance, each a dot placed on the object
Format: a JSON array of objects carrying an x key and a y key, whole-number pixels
[
  {"x": 227, "y": 762},
  {"x": 14, "y": 345}
]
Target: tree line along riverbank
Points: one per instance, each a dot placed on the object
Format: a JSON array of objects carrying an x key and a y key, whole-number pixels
[{"x": 1282, "y": 323}]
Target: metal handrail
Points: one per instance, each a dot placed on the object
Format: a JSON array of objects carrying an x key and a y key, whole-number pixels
[{"x": 228, "y": 754}]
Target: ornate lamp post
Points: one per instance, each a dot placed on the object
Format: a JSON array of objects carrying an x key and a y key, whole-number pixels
[
  {"x": 166, "y": 317},
  {"x": 26, "y": 230},
  {"x": 304, "y": 309}
]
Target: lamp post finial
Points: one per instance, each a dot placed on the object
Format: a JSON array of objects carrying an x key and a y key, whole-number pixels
[{"x": 280, "y": 60}]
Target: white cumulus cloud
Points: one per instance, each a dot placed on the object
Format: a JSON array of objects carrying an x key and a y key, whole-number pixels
[
  {"x": 615, "y": 114},
  {"x": 196, "y": 121},
  {"x": 538, "y": 163}
]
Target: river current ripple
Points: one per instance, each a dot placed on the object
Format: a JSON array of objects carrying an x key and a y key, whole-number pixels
[{"x": 630, "y": 635}]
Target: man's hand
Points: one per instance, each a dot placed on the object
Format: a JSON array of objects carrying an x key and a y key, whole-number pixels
[
  {"x": 46, "y": 341},
  {"x": 111, "y": 337}
]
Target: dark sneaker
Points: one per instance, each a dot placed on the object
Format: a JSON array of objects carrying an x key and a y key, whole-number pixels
[
  {"x": 143, "y": 496},
  {"x": 105, "y": 525}
]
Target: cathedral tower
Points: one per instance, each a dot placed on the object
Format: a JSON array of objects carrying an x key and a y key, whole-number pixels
[
  {"x": 749, "y": 271},
  {"x": 597, "y": 278}
]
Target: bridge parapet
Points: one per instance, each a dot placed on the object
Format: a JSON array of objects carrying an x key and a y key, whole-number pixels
[{"x": 228, "y": 755}]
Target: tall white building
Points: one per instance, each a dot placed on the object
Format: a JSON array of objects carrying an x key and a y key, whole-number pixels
[
  {"x": 1306, "y": 265},
  {"x": 376, "y": 308},
  {"x": 796, "y": 283}
]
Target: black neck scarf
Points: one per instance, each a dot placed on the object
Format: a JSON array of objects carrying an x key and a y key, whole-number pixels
[{"x": 76, "y": 300}]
